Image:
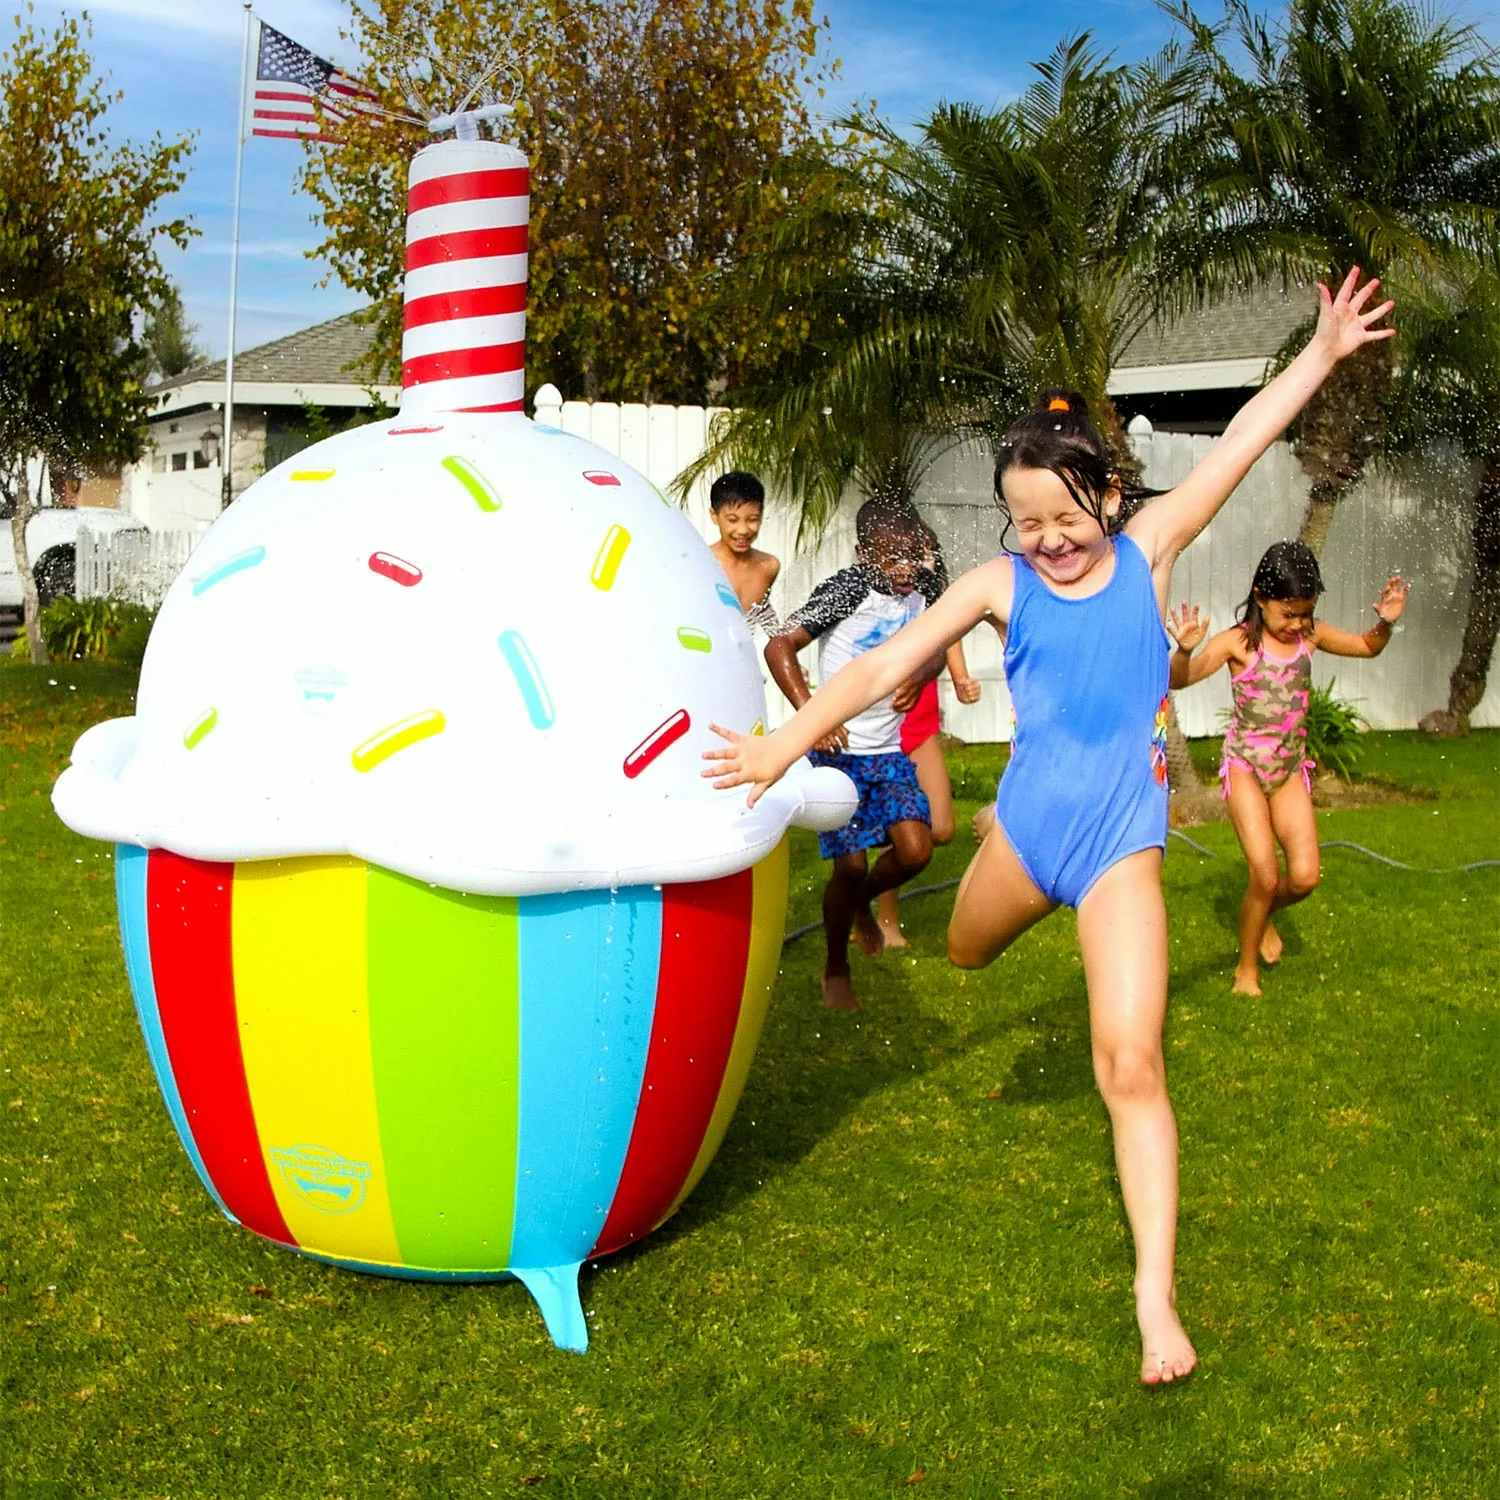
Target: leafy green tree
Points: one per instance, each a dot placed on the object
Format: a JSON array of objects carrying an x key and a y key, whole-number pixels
[
  {"x": 1350, "y": 132},
  {"x": 1447, "y": 390},
  {"x": 170, "y": 340},
  {"x": 651, "y": 126},
  {"x": 79, "y": 228}
]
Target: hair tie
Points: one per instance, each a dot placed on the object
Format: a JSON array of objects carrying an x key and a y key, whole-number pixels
[{"x": 1057, "y": 403}]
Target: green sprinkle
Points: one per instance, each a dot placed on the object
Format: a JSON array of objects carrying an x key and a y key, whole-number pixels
[
  {"x": 204, "y": 727},
  {"x": 479, "y": 492}
]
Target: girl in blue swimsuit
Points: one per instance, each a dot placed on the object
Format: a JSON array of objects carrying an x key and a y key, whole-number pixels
[{"x": 1082, "y": 808}]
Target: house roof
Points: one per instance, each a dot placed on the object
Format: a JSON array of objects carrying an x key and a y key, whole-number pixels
[
  {"x": 320, "y": 355},
  {"x": 1252, "y": 325},
  {"x": 1226, "y": 344}
]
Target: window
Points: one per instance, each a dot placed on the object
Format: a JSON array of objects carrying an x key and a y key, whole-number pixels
[
  {"x": 179, "y": 462},
  {"x": 200, "y": 459}
]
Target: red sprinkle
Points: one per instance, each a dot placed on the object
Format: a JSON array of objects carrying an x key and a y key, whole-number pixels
[
  {"x": 667, "y": 733},
  {"x": 600, "y": 476},
  {"x": 397, "y": 569},
  {"x": 407, "y": 431}
]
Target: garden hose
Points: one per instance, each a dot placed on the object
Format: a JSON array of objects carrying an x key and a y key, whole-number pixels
[{"x": 1176, "y": 833}]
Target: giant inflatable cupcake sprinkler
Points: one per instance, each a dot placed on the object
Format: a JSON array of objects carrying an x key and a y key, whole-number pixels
[{"x": 449, "y": 962}]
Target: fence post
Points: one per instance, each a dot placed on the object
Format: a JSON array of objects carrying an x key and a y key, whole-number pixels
[{"x": 547, "y": 408}]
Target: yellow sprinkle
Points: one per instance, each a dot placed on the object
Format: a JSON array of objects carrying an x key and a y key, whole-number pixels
[
  {"x": 760, "y": 728},
  {"x": 312, "y": 475},
  {"x": 204, "y": 726},
  {"x": 694, "y": 640},
  {"x": 386, "y": 742},
  {"x": 607, "y": 558}
]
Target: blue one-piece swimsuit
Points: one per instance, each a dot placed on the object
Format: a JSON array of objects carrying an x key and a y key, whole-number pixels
[{"x": 1087, "y": 779}]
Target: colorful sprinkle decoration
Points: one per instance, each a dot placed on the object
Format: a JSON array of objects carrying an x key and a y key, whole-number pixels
[
  {"x": 251, "y": 557},
  {"x": 312, "y": 476},
  {"x": 385, "y": 743},
  {"x": 607, "y": 559},
  {"x": 666, "y": 734},
  {"x": 201, "y": 730},
  {"x": 397, "y": 569},
  {"x": 479, "y": 491},
  {"x": 693, "y": 639},
  {"x": 409, "y": 431},
  {"x": 600, "y": 476},
  {"x": 727, "y": 595},
  {"x": 528, "y": 678}
]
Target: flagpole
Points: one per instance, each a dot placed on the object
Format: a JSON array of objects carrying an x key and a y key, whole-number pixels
[{"x": 226, "y": 493}]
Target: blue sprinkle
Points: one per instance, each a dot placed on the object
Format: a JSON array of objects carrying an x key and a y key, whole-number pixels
[{"x": 250, "y": 558}]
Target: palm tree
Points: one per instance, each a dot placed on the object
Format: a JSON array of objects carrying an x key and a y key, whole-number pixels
[
  {"x": 1448, "y": 390},
  {"x": 944, "y": 280},
  {"x": 1363, "y": 132}
]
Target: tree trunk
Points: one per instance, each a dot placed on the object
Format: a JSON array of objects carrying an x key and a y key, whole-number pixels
[
  {"x": 1341, "y": 427},
  {"x": 1192, "y": 800},
  {"x": 25, "y": 505},
  {"x": 1466, "y": 686}
]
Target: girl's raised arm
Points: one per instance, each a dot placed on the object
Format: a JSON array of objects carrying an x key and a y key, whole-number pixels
[
  {"x": 1166, "y": 526},
  {"x": 759, "y": 761}
]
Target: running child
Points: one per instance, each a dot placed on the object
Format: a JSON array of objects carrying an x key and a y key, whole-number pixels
[
  {"x": 850, "y": 614},
  {"x": 921, "y": 726},
  {"x": 737, "y": 503},
  {"x": 1081, "y": 817},
  {"x": 1268, "y": 654}
]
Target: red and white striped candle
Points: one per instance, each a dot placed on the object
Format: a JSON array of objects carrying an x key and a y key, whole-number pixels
[{"x": 464, "y": 346}]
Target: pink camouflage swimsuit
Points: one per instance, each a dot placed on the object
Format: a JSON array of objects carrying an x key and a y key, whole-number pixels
[{"x": 1267, "y": 731}]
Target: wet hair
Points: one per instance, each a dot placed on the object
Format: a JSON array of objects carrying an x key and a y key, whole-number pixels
[
  {"x": 736, "y": 488},
  {"x": 1287, "y": 570},
  {"x": 890, "y": 518},
  {"x": 1057, "y": 435}
]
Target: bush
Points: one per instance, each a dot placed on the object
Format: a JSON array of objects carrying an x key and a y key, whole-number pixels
[
  {"x": 96, "y": 629},
  {"x": 1334, "y": 727}
]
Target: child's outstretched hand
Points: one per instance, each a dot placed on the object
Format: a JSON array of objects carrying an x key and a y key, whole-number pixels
[
  {"x": 1187, "y": 626},
  {"x": 1392, "y": 599},
  {"x": 1343, "y": 323},
  {"x": 747, "y": 760}
]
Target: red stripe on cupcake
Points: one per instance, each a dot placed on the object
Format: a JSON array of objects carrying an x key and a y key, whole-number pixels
[
  {"x": 466, "y": 244},
  {"x": 705, "y": 935},
  {"x": 192, "y": 963},
  {"x": 465, "y": 187},
  {"x": 451, "y": 364},
  {"x": 474, "y": 302}
]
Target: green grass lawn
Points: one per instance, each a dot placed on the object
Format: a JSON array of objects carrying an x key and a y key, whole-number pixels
[{"x": 908, "y": 1271}]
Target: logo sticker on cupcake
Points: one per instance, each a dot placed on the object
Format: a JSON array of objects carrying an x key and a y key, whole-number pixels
[{"x": 323, "y": 1179}]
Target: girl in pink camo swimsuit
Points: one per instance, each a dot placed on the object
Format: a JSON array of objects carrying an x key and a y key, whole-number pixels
[{"x": 1265, "y": 766}]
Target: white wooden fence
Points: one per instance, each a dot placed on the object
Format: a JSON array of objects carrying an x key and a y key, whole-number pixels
[
  {"x": 1417, "y": 522},
  {"x": 138, "y": 566}
]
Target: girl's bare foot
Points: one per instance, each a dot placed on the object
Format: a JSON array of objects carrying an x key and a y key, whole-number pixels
[
  {"x": 866, "y": 932},
  {"x": 1270, "y": 945},
  {"x": 838, "y": 992},
  {"x": 1167, "y": 1354},
  {"x": 891, "y": 936},
  {"x": 1247, "y": 981}
]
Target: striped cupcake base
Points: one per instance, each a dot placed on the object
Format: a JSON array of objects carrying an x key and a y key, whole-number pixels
[{"x": 405, "y": 1079}]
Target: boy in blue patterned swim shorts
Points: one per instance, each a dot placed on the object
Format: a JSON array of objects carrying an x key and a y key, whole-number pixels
[{"x": 848, "y": 614}]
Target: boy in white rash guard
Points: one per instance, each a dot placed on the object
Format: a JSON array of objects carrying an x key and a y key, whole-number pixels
[{"x": 852, "y": 612}]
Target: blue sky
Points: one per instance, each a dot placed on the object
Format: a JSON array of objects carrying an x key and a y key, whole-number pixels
[{"x": 177, "y": 62}]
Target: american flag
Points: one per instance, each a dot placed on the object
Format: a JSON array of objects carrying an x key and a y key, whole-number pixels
[{"x": 298, "y": 93}]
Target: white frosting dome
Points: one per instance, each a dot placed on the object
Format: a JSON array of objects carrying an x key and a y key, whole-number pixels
[{"x": 465, "y": 647}]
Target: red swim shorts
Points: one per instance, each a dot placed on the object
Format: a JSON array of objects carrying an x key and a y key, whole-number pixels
[{"x": 922, "y": 722}]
